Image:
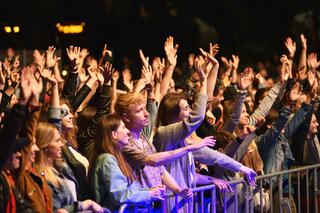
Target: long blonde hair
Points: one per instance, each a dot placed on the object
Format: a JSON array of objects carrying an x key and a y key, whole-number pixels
[{"x": 45, "y": 132}]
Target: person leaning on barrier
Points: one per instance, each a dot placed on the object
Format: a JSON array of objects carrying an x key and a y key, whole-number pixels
[{"x": 112, "y": 180}]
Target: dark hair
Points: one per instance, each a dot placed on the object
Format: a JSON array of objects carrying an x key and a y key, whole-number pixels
[{"x": 169, "y": 108}]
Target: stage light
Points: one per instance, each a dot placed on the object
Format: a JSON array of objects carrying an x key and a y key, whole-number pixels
[
  {"x": 7, "y": 29},
  {"x": 71, "y": 28},
  {"x": 16, "y": 29}
]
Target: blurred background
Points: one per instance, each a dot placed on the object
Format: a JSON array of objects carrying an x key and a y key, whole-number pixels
[{"x": 255, "y": 30}]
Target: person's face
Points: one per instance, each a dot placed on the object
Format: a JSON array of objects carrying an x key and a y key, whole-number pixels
[
  {"x": 249, "y": 101},
  {"x": 67, "y": 121},
  {"x": 184, "y": 109},
  {"x": 216, "y": 100},
  {"x": 171, "y": 86},
  {"x": 33, "y": 148},
  {"x": 10, "y": 52},
  {"x": 138, "y": 116},
  {"x": 54, "y": 148},
  {"x": 121, "y": 135},
  {"x": 13, "y": 161},
  {"x": 313, "y": 129},
  {"x": 244, "y": 117}
]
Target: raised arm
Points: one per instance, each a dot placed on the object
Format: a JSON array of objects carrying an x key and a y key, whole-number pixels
[
  {"x": 171, "y": 54},
  {"x": 168, "y": 137}
]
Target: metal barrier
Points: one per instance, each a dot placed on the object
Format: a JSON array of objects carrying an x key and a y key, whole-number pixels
[{"x": 300, "y": 184}]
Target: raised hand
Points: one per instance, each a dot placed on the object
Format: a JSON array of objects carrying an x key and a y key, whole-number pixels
[
  {"x": 148, "y": 75},
  {"x": 312, "y": 62},
  {"x": 227, "y": 63},
  {"x": 74, "y": 56},
  {"x": 295, "y": 92},
  {"x": 39, "y": 59},
  {"x": 291, "y": 46},
  {"x": 145, "y": 60},
  {"x": 51, "y": 59},
  {"x": 158, "y": 66},
  {"x": 16, "y": 62},
  {"x": 107, "y": 71},
  {"x": 213, "y": 49},
  {"x": 15, "y": 78},
  {"x": 171, "y": 51},
  {"x": 140, "y": 85},
  {"x": 105, "y": 52},
  {"x": 199, "y": 70},
  {"x": 285, "y": 68},
  {"x": 36, "y": 84},
  {"x": 26, "y": 87},
  {"x": 303, "y": 41},
  {"x": 246, "y": 78},
  {"x": 235, "y": 62},
  {"x": 115, "y": 76}
]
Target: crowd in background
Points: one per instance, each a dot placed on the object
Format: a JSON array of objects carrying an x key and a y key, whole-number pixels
[{"x": 97, "y": 138}]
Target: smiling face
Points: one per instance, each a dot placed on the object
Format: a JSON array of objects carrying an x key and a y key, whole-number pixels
[
  {"x": 184, "y": 109},
  {"x": 33, "y": 148},
  {"x": 67, "y": 121},
  {"x": 244, "y": 117},
  {"x": 54, "y": 148}
]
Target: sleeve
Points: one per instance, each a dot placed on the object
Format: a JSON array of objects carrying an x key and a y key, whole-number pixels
[
  {"x": 80, "y": 97},
  {"x": 266, "y": 104},
  {"x": 232, "y": 123},
  {"x": 268, "y": 139},
  {"x": 209, "y": 156},
  {"x": 297, "y": 120},
  {"x": 86, "y": 137},
  {"x": 70, "y": 86},
  {"x": 134, "y": 155},
  {"x": 108, "y": 174},
  {"x": 152, "y": 110},
  {"x": 54, "y": 117},
  {"x": 243, "y": 148},
  {"x": 168, "y": 137}
]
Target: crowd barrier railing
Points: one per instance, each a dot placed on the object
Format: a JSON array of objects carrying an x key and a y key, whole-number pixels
[{"x": 294, "y": 190}]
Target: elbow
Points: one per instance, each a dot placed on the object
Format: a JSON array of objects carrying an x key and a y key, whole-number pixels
[{"x": 151, "y": 161}]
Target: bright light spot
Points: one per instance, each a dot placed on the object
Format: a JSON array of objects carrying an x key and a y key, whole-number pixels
[
  {"x": 16, "y": 29},
  {"x": 64, "y": 72},
  {"x": 7, "y": 29},
  {"x": 71, "y": 29}
]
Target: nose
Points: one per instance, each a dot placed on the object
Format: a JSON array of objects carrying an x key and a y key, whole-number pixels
[
  {"x": 146, "y": 113},
  {"x": 18, "y": 154},
  {"x": 36, "y": 148}
]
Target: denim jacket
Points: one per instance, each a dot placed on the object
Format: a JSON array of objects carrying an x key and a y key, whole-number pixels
[{"x": 274, "y": 144}]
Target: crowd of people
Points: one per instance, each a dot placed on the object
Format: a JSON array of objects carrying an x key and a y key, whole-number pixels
[{"x": 97, "y": 139}]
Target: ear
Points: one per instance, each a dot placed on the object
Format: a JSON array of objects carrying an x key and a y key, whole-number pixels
[
  {"x": 114, "y": 135},
  {"x": 125, "y": 117}
]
